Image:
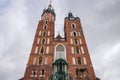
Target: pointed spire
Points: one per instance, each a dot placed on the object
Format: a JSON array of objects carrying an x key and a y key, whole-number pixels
[
  {"x": 49, "y": 9},
  {"x": 58, "y": 36},
  {"x": 50, "y": 6}
]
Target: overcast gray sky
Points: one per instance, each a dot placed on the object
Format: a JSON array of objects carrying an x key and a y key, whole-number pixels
[{"x": 101, "y": 25}]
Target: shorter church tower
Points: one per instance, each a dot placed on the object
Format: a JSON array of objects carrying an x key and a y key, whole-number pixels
[{"x": 59, "y": 58}]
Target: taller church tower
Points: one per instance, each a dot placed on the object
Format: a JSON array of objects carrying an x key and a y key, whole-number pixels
[{"x": 59, "y": 58}]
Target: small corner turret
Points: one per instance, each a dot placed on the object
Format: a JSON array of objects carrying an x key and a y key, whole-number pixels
[{"x": 71, "y": 17}]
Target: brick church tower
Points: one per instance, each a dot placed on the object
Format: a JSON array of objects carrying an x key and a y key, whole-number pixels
[{"x": 59, "y": 58}]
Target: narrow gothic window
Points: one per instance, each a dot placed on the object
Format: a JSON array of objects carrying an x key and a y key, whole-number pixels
[
  {"x": 45, "y": 27},
  {"x": 74, "y": 34},
  {"x": 43, "y": 41},
  {"x": 77, "y": 50},
  {"x": 42, "y": 50},
  {"x": 44, "y": 33},
  {"x": 34, "y": 73},
  {"x": 43, "y": 72},
  {"x": 46, "y": 22},
  {"x": 73, "y": 25},
  {"x": 77, "y": 71},
  {"x": 60, "y": 52},
  {"x": 75, "y": 41},
  {"x": 40, "y": 61},
  {"x": 79, "y": 60}
]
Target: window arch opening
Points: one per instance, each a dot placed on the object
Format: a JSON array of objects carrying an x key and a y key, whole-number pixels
[
  {"x": 77, "y": 50},
  {"x": 79, "y": 60},
  {"x": 75, "y": 40},
  {"x": 42, "y": 50},
  {"x": 43, "y": 72},
  {"x": 74, "y": 34},
  {"x": 60, "y": 52},
  {"x": 73, "y": 25},
  {"x": 43, "y": 41}
]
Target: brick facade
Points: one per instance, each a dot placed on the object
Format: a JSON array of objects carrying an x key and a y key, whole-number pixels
[{"x": 75, "y": 57}]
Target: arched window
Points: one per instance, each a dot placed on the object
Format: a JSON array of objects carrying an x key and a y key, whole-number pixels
[
  {"x": 43, "y": 41},
  {"x": 34, "y": 73},
  {"x": 42, "y": 50},
  {"x": 75, "y": 41},
  {"x": 77, "y": 71},
  {"x": 46, "y": 22},
  {"x": 45, "y": 27},
  {"x": 79, "y": 60},
  {"x": 44, "y": 33},
  {"x": 77, "y": 50},
  {"x": 60, "y": 52},
  {"x": 43, "y": 72},
  {"x": 73, "y": 25},
  {"x": 40, "y": 60},
  {"x": 74, "y": 34}
]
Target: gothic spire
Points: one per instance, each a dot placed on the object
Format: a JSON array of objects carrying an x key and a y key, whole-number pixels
[
  {"x": 50, "y": 5},
  {"x": 49, "y": 9}
]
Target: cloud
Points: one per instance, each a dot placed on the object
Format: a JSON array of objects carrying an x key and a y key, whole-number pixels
[
  {"x": 13, "y": 29},
  {"x": 100, "y": 21}
]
